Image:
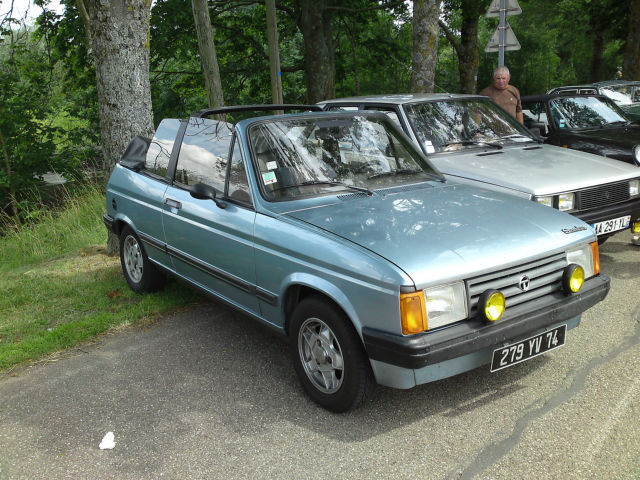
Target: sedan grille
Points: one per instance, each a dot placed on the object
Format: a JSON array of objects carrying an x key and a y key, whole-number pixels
[
  {"x": 602, "y": 195},
  {"x": 544, "y": 278}
]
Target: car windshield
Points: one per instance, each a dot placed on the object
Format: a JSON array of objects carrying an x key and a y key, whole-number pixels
[
  {"x": 624, "y": 94},
  {"x": 301, "y": 157},
  {"x": 450, "y": 125},
  {"x": 584, "y": 112}
]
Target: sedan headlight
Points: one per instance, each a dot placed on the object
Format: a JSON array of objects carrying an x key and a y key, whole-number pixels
[
  {"x": 634, "y": 188},
  {"x": 588, "y": 257},
  {"x": 433, "y": 307},
  {"x": 566, "y": 201},
  {"x": 636, "y": 154},
  {"x": 546, "y": 200},
  {"x": 445, "y": 304}
]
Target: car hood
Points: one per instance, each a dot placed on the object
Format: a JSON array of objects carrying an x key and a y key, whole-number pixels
[
  {"x": 537, "y": 169},
  {"x": 448, "y": 232},
  {"x": 624, "y": 137}
]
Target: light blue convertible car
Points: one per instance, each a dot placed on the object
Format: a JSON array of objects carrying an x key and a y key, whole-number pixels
[{"x": 334, "y": 230}]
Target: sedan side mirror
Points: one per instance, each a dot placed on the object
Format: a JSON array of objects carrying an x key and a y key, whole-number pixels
[{"x": 202, "y": 191}]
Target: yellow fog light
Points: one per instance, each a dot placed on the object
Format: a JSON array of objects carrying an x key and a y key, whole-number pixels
[
  {"x": 573, "y": 278},
  {"x": 492, "y": 305},
  {"x": 635, "y": 228},
  {"x": 413, "y": 313}
]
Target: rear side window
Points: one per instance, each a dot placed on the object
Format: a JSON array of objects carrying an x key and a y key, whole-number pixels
[
  {"x": 159, "y": 152},
  {"x": 204, "y": 153}
]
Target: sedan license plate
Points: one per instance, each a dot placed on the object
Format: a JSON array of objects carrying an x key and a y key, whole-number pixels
[
  {"x": 531, "y": 347},
  {"x": 612, "y": 225}
]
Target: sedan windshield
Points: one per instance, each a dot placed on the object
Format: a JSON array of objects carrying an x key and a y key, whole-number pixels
[
  {"x": 301, "y": 157},
  {"x": 450, "y": 125},
  {"x": 584, "y": 112},
  {"x": 623, "y": 94}
]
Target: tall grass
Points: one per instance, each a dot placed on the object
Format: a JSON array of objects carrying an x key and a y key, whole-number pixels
[
  {"x": 57, "y": 231},
  {"x": 58, "y": 288}
]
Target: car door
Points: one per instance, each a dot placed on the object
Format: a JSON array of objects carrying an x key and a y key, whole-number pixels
[{"x": 210, "y": 240}]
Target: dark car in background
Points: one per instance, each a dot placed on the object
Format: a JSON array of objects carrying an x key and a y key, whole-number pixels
[
  {"x": 625, "y": 93},
  {"x": 591, "y": 123}
]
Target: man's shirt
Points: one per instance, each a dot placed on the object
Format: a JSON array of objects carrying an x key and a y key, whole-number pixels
[{"x": 509, "y": 98}]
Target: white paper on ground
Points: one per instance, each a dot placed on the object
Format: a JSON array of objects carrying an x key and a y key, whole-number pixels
[{"x": 107, "y": 442}]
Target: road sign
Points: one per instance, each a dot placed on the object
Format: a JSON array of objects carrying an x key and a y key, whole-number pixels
[
  {"x": 503, "y": 38},
  {"x": 511, "y": 8},
  {"x": 510, "y": 40}
]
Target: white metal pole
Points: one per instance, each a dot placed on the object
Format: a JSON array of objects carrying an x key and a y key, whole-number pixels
[{"x": 502, "y": 32}]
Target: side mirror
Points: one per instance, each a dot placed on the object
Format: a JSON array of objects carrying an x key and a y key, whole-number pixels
[{"x": 202, "y": 191}]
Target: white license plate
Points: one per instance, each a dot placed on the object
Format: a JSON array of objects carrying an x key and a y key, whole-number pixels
[
  {"x": 526, "y": 349},
  {"x": 612, "y": 225}
]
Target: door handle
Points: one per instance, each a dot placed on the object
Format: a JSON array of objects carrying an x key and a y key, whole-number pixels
[{"x": 172, "y": 203}]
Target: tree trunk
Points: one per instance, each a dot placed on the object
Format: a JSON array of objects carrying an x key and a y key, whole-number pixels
[
  {"x": 274, "y": 52},
  {"x": 596, "y": 56},
  {"x": 631, "y": 62},
  {"x": 118, "y": 32},
  {"x": 315, "y": 25},
  {"x": 466, "y": 47},
  {"x": 208, "y": 58},
  {"x": 468, "y": 57},
  {"x": 120, "y": 47},
  {"x": 425, "y": 45}
]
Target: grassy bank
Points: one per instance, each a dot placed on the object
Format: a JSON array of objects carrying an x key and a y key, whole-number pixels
[{"x": 58, "y": 288}]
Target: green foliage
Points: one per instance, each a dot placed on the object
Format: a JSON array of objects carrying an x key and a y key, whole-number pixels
[
  {"x": 44, "y": 126},
  {"x": 365, "y": 41}
]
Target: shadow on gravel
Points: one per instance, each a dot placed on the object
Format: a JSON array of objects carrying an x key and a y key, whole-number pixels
[{"x": 616, "y": 269}]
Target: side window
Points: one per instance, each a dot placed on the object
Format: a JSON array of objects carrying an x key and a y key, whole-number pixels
[
  {"x": 159, "y": 152},
  {"x": 238, "y": 183},
  {"x": 204, "y": 153}
]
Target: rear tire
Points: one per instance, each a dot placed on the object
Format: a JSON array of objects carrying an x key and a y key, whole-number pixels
[
  {"x": 141, "y": 275},
  {"x": 328, "y": 356}
]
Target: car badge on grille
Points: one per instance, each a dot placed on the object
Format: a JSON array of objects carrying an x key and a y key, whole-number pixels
[{"x": 524, "y": 283}]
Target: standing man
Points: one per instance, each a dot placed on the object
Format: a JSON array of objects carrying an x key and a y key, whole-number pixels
[{"x": 505, "y": 95}]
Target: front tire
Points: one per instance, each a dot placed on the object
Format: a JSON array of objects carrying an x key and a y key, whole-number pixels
[
  {"x": 141, "y": 275},
  {"x": 328, "y": 356}
]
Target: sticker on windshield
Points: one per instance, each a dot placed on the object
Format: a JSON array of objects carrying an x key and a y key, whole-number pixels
[
  {"x": 269, "y": 177},
  {"x": 272, "y": 165},
  {"x": 561, "y": 122},
  {"x": 429, "y": 146}
]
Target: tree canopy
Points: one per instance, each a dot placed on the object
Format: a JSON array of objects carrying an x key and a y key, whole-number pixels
[{"x": 49, "y": 102}]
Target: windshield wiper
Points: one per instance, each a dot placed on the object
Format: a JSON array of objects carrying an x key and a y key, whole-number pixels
[
  {"x": 617, "y": 122},
  {"x": 329, "y": 182},
  {"x": 400, "y": 171},
  {"x": 473, "y": 142}
]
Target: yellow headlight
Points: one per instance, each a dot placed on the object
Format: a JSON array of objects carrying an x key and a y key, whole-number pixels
[
  {"x": 413, "y": 313},
  {"x": 635, "y": 228},
  {"x": 573, "y": 278},
  {"x": 492, "y": 304}
]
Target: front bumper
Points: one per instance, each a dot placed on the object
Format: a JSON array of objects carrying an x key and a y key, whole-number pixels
[
  {"x": 609, "y": 212},
  {"x": 429, "y": 348},
  {"x": 108, "y": 222}
]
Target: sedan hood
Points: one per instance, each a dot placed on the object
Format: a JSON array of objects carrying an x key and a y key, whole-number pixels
[
  {"x": 535, "y": 169},
  {"x": 450, "y": 231}
]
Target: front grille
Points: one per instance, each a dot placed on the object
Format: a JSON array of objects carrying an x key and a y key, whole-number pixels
[
  {"x": 602, "y": 195},
  {"x": 545, "y": 278}
]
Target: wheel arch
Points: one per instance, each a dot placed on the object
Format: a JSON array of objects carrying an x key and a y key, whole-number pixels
[{"x": 303, "y": 288}]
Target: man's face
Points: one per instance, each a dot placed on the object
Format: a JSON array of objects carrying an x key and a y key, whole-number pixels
[{"x": 501, "y": 80}]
